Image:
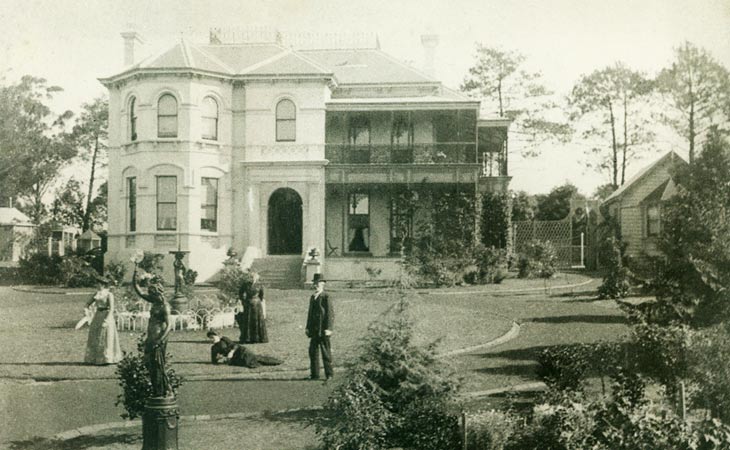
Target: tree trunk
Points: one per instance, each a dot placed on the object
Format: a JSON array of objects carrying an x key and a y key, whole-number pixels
[
  {"x": 691, "y": 121},
  {"x": 87, "y": 212},
  {"x": 626, "y": 141},
  {"x": 499, "y": 93},
  {"x": 614, "y": 148}
]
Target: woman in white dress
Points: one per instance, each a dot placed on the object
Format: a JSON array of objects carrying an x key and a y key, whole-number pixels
[{"x": 102, "y": 346}]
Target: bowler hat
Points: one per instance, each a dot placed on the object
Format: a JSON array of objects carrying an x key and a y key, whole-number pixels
[{"x": 317, "y": 278}]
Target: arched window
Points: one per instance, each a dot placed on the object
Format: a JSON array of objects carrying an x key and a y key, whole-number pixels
[
  {"x": 286, "y": 121},
  {"x": 167, "y": 116},
  {"x": 133, "y": 119},
  {"x": 210, "y": 118}
]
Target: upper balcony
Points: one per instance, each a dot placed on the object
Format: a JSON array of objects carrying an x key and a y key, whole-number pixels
[{"x": 434, "y": 153}]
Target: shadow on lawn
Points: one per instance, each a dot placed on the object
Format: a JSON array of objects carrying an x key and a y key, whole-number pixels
[
  {"x": 78, "y": 443},
  {"x": 607, "y": 319},
  {"x": 53, "y": 363}
]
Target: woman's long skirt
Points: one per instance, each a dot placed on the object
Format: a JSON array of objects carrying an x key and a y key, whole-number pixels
[{"x": 102, "y": 347}]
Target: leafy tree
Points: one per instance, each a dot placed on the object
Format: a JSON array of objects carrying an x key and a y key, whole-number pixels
[
  {"x": 605, "y": 100},
  {"x": 698, "y": 89},
  {"x": 556, "y": 204},
  {"x": 97, "y": 210},
  {"x": 32, "y": 144},
  {"x": 498, "y": 78},
  {"x": 524, "y": 206},
  {"x": 693, "y": 277},
  {"x": 603, "y": 191},
  {"x": 68, "y": 206},
  {"x": 89, "y": 135}
]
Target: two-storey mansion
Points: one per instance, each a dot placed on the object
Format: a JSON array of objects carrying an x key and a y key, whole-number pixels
[{"x": 274, "y": 151}]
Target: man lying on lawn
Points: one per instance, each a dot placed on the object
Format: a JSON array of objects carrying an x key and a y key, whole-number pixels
[{"x": 224, "y": 351}]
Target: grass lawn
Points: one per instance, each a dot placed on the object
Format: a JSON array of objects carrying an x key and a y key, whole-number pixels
[
  {"x": 282, "y": 431},
  {"x": 40, "y": 342}
]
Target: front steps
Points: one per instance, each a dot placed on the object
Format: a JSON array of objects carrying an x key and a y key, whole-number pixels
[{"x": 279, "y": 271}]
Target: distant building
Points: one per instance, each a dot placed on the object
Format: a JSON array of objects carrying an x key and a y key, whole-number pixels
[
  {"x": 16, "y": 232},
  {"x": 637, "y": 205},
  {"x": 274, "y": 151}
]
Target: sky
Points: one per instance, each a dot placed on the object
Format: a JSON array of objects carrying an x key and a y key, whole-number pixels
[{"x": 73, "y": 42}]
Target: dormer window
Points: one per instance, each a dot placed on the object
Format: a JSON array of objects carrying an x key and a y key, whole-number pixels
[
  {"x": 167, "y": 116},
  {"x": 210, "y": 119},
  {"x": 286, "y": 121},
  {"x": 133, "y": 119}
]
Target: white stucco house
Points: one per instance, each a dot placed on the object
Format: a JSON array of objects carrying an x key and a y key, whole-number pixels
[{"x": 274, "y": 151}]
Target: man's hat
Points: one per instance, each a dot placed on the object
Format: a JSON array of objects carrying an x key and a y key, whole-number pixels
[{"x": 317, "y": 278}]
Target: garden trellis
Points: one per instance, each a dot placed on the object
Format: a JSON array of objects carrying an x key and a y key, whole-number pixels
[{"x": 559, "y": 233}]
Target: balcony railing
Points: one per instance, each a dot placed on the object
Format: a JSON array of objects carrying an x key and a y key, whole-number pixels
[
  {"x": 494, "y": 164},
  {"x": 436, "y": 153}
]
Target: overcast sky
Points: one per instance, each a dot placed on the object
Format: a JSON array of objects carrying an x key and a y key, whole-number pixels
[{"x": 72, "y": 42}]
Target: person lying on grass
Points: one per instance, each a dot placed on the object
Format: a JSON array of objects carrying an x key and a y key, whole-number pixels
[{"x": 224, "y": 351}]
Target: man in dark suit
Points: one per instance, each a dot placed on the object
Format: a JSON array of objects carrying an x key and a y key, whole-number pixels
[{"x": 320, "y": 321}]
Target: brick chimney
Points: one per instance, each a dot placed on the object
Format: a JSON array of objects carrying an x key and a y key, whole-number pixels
[
  {"x": 429, "y": 43},
  {"x": 131, "y": 38}
]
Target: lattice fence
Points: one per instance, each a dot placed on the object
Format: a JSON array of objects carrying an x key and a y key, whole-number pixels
[{"x": 557, "y": 232}]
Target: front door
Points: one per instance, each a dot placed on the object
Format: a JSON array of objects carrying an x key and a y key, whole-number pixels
[{"x": 285, "y": 222}]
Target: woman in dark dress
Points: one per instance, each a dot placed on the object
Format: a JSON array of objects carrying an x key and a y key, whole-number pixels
[{"x": 253, "y": 320}]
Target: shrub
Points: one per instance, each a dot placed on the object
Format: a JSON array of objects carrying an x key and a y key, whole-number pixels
[
  {"x": 709, "y": 369},
  {"x": 490, "y": 430},
  {"x": 432, "y": 263},
  {"x": 537, "y": 259},
  {"x": 39, "y": 268},
  {"x": 134, "y": 379},
  {"x": 116, "y": 271},
  {"x": 616, "y": 281},
  {"x": 190, "y": 277},
  {"x": 231, "y": 278},
  {"x": 564, "y": 367},
  {"x": 77, "y": 272},
  {"x": 495, "y": 219},
  {"x": 491, "y": 264},
  {"x": 661, "y": 353},
  {"x": 395, "y": 394},
  {"x": 152, "y": 263}
]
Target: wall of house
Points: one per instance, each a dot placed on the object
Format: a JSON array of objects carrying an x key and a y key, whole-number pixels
[
  {"x": 336, "y": 220},
  {"x": 246, "y": 133},
  {"x": 188, "y": 156},
  {"x": 633, "y": 214}
]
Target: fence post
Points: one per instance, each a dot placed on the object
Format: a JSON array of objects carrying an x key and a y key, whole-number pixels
[
  {"x": 463, "y": 430},
  {"x": 682, "y": 401},
  {"x": 582, "y": 250}
]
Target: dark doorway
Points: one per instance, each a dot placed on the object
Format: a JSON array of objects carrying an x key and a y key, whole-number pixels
[{"x": 285, "y": 222}]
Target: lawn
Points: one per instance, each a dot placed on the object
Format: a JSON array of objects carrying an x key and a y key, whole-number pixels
[
  {"x": 279, "y": 431},
  {"x": 40, "y": 342}
]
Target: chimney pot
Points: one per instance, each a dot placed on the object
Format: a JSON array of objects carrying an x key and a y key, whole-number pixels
[
  {"x": 131, "y": 38},
  {"x": 429, "y": 43}
]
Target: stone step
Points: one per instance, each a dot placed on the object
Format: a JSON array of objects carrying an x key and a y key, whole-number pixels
[{"x": 279, "y": 271}]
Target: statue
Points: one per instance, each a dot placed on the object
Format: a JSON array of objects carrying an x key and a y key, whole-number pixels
[
  {"x": 158, "y": 329},
  {"x": 180, "y": 269}
]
